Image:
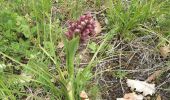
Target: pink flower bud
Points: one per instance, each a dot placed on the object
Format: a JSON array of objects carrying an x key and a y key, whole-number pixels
[
  {"x": 77, "y": 30},
  {"x": 85, "y": 20},
  {"x": 80, "y": 26},
  {"x": 89, "y": 26},
  {"x": 91, "y": 21},
  {"x": 82, "y": 17},
  {"x": 83, "y": 23},
  {"x": 73, "y": 25}
]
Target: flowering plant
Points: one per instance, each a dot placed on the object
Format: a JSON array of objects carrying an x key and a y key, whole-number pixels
[{"x": 84, "y": 27}]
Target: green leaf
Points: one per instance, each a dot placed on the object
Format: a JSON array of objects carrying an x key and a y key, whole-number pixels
[
  {"x": 93, "y": 46},
  {"x": 71, "y": 47}
]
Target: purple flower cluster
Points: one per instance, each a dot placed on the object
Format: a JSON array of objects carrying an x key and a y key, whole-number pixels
[{"x": 84, "y": 27}]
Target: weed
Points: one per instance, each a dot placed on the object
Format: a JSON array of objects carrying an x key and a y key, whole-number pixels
[{"x": 130, "y": 14}]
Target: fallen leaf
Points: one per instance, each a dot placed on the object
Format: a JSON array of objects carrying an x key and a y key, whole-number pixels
[
  {"x": 98, "y": 27},
  {"x": 164, "y": 51},
  {"x": 153, "y": 76},
  {"x": 141, "y": 86},
  {"x": 131, "y": 96},
  {"x": 158, "y": 97},
  {"x": 60, "y": 45},
  {"x": 83, "y": 95},
  {"x": 121, "y": 99}
]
